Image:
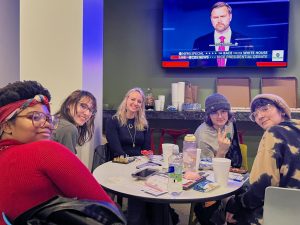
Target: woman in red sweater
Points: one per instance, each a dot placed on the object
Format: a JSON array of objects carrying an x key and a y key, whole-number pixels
[{"x": 34, "y": 169}]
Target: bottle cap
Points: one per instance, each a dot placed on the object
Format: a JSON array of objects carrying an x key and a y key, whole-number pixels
[{"x": 190, "y": 137}]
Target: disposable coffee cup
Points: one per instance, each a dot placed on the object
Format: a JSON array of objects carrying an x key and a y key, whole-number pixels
[
  {"x": 162, "y": 99},
  {"x": 167, "y": 150},
  {"x": 221, "y": 168},
  {"x": 157, "y": 105}
]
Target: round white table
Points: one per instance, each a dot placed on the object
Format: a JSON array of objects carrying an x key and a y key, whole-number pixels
[{"x": 117, "y": 178}]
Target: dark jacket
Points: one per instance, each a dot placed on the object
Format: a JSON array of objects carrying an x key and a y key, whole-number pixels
[
  {"x": 61, "y": 211},
  {"x": 206, "y": 43}
]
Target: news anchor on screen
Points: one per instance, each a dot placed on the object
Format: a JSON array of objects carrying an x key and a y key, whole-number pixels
[{"x": 223, "y": 39}]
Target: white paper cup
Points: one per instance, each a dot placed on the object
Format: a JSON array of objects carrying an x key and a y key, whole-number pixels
[
  {"x": 198, "y": 156},
  {"x": 162, "y": 102},
  {"x": 180, "y": 106},
  {"x": 157, "y": 105},
  {"x": 221, "y": 168},
  {"x": 162, "y": 98},
  {"x": 167, "y": 150},
  {"x": 162, "y": 105}
]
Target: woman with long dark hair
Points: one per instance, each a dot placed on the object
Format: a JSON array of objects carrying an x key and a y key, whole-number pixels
[{"x": 76, "y": 120}]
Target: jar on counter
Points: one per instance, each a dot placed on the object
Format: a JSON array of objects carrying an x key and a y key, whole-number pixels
[{"x": 149, "y": 103}]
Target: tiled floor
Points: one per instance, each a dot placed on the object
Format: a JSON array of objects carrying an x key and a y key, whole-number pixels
[{"x": 184, "y": 212}]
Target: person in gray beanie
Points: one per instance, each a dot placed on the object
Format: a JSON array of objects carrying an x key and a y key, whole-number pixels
[
  {"x": 277, "y": 162},
  {"x": 263, "y": 103},
  {"x": 217, "y": 137}
]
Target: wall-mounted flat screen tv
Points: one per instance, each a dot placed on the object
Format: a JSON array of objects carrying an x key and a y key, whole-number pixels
[{"x": 236, "y": 33}]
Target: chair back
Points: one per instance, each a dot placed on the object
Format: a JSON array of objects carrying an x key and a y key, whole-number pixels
[
  {"x": 244, "y": 151},
  {"x": 282, "y": 206},
  {"x": 102, "y": 155}
]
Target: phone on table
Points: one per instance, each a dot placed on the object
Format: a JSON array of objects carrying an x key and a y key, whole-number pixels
[
  {"x": 191, "y": 183},
  {"x": 238, "y": 170},
  {"x": 143, "y": 174},
  {"x": 148, "y": 164}
]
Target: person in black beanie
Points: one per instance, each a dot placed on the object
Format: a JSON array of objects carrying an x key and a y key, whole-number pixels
[{"x": 217, "y": 137}]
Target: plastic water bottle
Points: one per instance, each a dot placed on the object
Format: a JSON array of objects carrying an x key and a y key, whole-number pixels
[
  {"x": 189, "y": 153},
  {"x": 175, "y": 172}
]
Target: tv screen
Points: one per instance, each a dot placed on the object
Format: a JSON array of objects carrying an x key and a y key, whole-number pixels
[{"x": 236, "y": 33}]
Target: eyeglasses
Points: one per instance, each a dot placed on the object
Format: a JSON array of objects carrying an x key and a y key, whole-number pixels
[
  {"x": 263, "y": 109},
  {"x": 219, "y": 113},
  {"x": 84, "y": 107},
  {"x": 39, "y": 119}
]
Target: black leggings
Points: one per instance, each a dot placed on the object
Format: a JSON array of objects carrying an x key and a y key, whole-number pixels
[{"x": 204, "y": 214}]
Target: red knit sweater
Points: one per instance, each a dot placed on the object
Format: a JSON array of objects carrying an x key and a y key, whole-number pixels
[{"x": 33, "y": 173}]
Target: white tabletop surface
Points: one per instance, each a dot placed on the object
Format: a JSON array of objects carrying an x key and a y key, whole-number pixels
[{"x": 117, "y": 178}]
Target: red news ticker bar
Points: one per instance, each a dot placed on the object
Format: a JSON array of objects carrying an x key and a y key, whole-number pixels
[
  {"x": 174, "y": 57},
  {"x": 181, "y": 64},
  {"x": 271, "y": 64}
]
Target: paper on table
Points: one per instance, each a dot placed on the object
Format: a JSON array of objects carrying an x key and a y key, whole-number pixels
[{"x": 156, "y": 185}]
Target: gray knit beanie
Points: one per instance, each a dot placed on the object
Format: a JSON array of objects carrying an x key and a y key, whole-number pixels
[
  {"x": 277, "y": 100},
  {"x": 216, "y": 102}
]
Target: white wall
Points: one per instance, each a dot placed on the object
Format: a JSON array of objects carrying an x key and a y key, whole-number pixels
[
  {"x": 53, "y": 51},
  {"x": 9, "y": 42},
  {"x": 51, "y": 45}
]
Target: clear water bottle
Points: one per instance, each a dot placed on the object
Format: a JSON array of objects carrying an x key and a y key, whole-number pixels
[
  {"x": 189, "y": 153},
  {"x": 175, "y": 172}
]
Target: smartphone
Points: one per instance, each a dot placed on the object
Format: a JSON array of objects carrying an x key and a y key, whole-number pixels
[
  {"x": 148, "y": 164},
  {"x": 238, "y": 170},
  {"x": 191, "y": 183},
  {"x": 143, "y": 174}
]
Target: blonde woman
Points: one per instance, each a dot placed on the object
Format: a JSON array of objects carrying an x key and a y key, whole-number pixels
[{"x": 127, "y": 132}]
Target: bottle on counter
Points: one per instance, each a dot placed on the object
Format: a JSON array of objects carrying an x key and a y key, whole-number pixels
[
  {"x": 175, "y": 172},
  {"x": 149, "y": 103},
  {"x": 189, "y": 153}
]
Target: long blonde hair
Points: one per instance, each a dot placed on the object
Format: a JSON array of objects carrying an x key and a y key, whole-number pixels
[{"x": 140, "y": 121}]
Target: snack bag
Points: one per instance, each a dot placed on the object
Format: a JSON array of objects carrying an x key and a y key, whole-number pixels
[{"x": 206, "y": 186}]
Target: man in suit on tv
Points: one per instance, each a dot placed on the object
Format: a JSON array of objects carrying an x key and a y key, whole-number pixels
[{"x": 221, "y": 40}]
